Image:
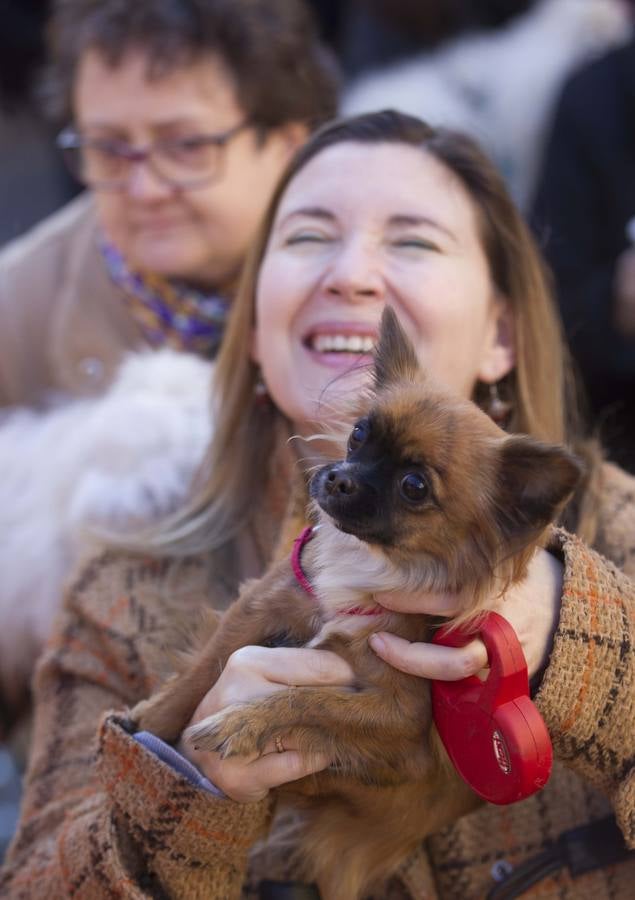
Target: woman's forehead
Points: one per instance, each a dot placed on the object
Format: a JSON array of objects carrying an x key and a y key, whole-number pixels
[
  {"x": 127, "y": 91},
  {"x": 389, "y": 179}
]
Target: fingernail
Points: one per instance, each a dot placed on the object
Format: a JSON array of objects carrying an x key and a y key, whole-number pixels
[{"x": 377, "y": 642}]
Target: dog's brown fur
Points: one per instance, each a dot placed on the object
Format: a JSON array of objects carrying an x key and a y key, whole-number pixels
[{"x": 487, "y": 500}]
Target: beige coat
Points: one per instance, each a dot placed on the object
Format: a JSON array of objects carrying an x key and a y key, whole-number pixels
[{"x": 63, "y": 325}]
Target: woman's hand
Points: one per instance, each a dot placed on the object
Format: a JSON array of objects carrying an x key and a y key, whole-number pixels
[
  {"x": 532, "y": 607},
  {"x": 252, "y": 673}
]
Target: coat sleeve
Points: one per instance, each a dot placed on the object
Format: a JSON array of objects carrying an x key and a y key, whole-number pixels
[
  {"x": 102, "y": 816},
  {"x": 587, "y": 696}
]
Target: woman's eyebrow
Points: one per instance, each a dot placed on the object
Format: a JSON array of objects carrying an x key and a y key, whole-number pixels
[
  {"x": 187, "y": 121},
  {"x": 407, "y": 220},
  {"x": 313, "y": 212}
]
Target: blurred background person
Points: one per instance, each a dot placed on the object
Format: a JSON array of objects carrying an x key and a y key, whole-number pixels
[
  {"x": 371, "y": 33},
  {"x": 584, "y": 216},
  {"x": 492, "y": 68},
  {"x": 181, "y": 118}
]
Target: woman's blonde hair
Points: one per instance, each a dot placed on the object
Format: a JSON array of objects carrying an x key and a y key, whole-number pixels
[{"x": 540, "y": 388}]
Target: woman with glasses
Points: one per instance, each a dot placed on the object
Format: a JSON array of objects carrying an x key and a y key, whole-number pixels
[{"x": 181, "y": 115}]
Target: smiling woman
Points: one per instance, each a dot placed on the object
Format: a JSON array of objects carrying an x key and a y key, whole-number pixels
[
  {"x": 376, "y": 210},
  {"x": 444, "y": 245},
  {"x": 329, "y": 270}
]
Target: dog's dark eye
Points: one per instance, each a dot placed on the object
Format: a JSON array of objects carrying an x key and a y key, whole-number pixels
[
  {"x": 358, "y": 435},
  {"x": 414, "y": 487}
]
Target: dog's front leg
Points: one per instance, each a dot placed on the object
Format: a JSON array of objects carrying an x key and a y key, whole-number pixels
[
  {"x": 360, "y": 731},
  {"x": 252, "y": 619}
]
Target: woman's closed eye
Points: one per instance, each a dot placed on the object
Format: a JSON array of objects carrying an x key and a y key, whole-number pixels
[
  {"x": 415, "y": 243},
  {"x": 194, "y": 148},
  {"x": 307, "y": 237}
]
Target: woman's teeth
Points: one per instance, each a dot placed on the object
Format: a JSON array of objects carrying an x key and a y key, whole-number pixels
[{"x": 341, "y": 343}]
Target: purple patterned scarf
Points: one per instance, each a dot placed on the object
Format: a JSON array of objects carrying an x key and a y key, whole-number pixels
[{"x": 169, "y": 313}]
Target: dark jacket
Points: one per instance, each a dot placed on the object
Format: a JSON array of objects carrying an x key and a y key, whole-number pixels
[{"x": 584, "y": 200}]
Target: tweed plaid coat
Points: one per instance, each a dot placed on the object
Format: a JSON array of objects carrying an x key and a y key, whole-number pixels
[{"x": 104, "y": 818}]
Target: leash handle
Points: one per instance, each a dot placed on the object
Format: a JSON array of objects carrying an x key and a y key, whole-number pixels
[{"x": 491, "y": 730}]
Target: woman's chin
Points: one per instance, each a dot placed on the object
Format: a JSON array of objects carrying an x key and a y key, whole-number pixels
[
  {"x": 167, "y": 262},
  {"x": 334, "y": 396}
]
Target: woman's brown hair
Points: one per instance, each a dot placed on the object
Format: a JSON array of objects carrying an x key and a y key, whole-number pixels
[
  {"x": 540, "y": 388},
  {"x": 269, "y": 48}
]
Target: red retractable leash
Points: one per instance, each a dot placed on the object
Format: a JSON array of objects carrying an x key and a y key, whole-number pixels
[{"x": 492, "y": 732}]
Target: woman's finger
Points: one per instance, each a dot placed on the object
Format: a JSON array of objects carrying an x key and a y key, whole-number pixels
[
  {"x": 280, "y": 744},
  {"x": 430, "y": 660},
  {"x": 256, "y": 672},
  {"x": 294, "y": 665},
  {"x": 250, "y": 783}
]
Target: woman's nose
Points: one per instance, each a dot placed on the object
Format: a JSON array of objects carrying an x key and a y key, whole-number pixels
[
  {"x": 145, "y": 184},
  {"x": 355, "y": 274}
]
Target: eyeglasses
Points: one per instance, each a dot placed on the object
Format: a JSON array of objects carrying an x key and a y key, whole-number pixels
[{"x": 107, "y": 163}]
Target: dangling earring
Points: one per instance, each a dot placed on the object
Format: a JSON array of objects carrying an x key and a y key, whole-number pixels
[
  {"x": 261, "y": 393},
  {"x": 496, "y": 408}
]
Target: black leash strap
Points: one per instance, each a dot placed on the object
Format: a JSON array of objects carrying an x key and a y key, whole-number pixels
[{"x": 581, "y": 850}]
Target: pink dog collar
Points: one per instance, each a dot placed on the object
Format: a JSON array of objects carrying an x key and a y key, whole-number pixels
[
  {"x": 296, "y": 564},
  {"x": 296, "y": 559}
]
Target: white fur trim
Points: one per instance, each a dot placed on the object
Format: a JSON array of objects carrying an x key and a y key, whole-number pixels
[{"x": 116, "y": 461}]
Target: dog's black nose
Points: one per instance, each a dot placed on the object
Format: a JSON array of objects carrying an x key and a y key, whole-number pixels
[{"x": 338, "y": 482}]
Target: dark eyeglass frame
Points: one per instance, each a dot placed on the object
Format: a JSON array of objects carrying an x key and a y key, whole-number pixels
[{"x": 69, "y": 140}]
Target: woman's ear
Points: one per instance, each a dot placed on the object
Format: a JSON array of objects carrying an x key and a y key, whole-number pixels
[
  {"x": 499, "y": 352},
  {"x": 287, "y": 138},
  {"x": 294, "y": 134}
]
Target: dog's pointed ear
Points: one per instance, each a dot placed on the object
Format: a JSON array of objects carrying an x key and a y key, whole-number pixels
[
  {"x": 395, "y": 357},
  {"x": 534, "y": 482}
]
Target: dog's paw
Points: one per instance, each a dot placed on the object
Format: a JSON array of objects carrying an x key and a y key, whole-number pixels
[{"x": 235, "y": 731}]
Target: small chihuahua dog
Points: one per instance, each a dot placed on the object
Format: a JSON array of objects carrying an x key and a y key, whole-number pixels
[{"x": 432, "y": 496}]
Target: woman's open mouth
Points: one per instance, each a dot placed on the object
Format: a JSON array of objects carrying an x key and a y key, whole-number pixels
[{"x": 341, "y": 344}]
